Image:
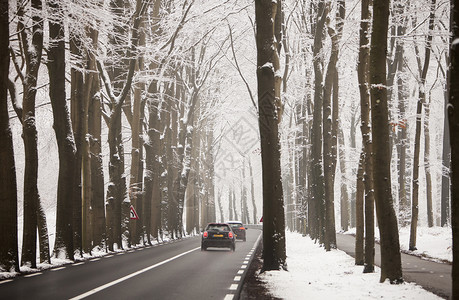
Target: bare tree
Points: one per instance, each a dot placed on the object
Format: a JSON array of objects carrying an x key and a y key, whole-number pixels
[
  {"x": 453, "y": 118},
  {"x": 367, "y": 149},
  {"x": 270, "y": 110},
  {"x": 65, "y": 233},
  {"x": 417, "y": 140},
  {"x": 31, "y": 41},
  {"x": 9, "y": 260},
  {"x": 390, "y": 246}
]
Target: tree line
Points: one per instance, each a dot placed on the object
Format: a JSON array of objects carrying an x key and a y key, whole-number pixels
[
  {"x": 151, "y": 74},
  {"x": 122, "y": 69}
]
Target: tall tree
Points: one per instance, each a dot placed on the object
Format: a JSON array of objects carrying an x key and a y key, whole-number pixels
[
  {"x": 417, "y": 140},
  {"x": 453, "y": 118},
  {"x": 31, "y": 41},
  {"x": 116, "y": 189},
  {"x": 330, "y": 124},
  {"x": 9, "y": 260},
  {"x": 252, "y": 193},
  {"x": 64, "y": 243},
  {"x": 391, "y": 267},
  {"x": 270, "y": 110},
  {"x": 367, "y": 148},
  {"x": 317, "y": 178}
]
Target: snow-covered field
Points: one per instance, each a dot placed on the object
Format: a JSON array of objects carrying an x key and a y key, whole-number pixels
[{"x": 318, "y": 274}]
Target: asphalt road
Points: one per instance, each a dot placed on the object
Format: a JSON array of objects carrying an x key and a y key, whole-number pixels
[
  {"x": 432, "y": 276},
  {"x": 177, "y": 270}
]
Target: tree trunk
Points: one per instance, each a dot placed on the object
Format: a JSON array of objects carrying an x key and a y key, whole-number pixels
[
  {"x": 43, "y": 239},
  {"x": 31, "y": 196},
  {"x": 236, "y": 217},
  {"x": 66, "y": 236},
  {"x": 252, "y": 194},
  {"x": 9, "y": 260},
  {"x": 446, "y": 165},
  {"x": 269, "y": 103},
  {"x": 453, "y": 119},
  {"x": 367, "y": 151},
  {"x": 417, "y": 139},
  {"x": 330, "y": 113},
  {"x": 81, "y": 206},
  {"x": 317, "y": 179},
  {"x": 427, "y": 165},
  {"x": 96, "y": 169},
  {"x": 359, "y": 216},
  {"x": 344, "y": 201},
  {"x": 230, "y": 201},
  {"x": 390, "y": 246}
]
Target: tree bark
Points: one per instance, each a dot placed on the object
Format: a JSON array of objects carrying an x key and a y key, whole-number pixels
[
  {"x": 9, "y": 259},
  {"x": 390, "y": 246},
  {"x": 317, "y": 179},
  {"x": 453, "y": 119},
  {"x": 252, "y": 194},
  {"x": 66, "y": 236},
  {"x": 269, "y": 103},
  {"x": 430, "y": 221},
  {"x": 344, "y": 201},
  {"x": 417, "y": 139},
  {"x": 359, "y": 215},
  {"x": 31, "y": 196}
]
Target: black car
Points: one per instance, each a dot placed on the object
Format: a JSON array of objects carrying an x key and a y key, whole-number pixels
[
  {"x": 218, "y": 235},
  {"x": 239, "y": 229}
]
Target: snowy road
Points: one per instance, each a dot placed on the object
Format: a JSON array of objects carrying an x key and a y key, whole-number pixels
[
  {"x": 178, "y": 270},
  {"x": 432, "y": 276}
]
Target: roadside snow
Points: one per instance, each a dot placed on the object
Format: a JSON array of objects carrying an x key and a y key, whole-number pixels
[
  {"x": 314, "y": 273},
  {"x": 434, "y": 243}
]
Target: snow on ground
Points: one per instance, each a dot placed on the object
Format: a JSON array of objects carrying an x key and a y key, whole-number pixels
[
  {"x": 314, "y": 273},
  {"x": 434, "y": 243}
]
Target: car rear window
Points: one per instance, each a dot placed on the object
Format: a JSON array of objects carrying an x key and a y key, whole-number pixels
[
  {"x": 218, "y": 227},
  {"x": 236, "y": 224}
]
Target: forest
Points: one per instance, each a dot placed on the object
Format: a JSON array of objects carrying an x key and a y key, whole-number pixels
[{"x": 317, "y": 116}]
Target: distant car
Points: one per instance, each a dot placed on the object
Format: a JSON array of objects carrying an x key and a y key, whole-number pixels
[
  {"x": 239, "y": 229},
  {"x": 218, "y": 235}
]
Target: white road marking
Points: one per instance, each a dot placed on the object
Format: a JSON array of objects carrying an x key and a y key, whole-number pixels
[
  {"x": 102, "y": 287},
  {"x": 95, "y": 259},
  {"x": 240, "y": 272},
  {"x": 77, "y": 264},
  {"x": 244, "y": 267},
  {"x": 121, "y": 253},
  {"x": 233, "y": 287},
  {"x": 245, "y": 262},
  {"x": 57, "y": 269},
  {"x": 237, "y": 278},
  {"x": 229, "y": 297},
  {"x": 34, "y": 274},
  {"x": 5, "y": 281},
  {"x": 109, "y": 256}
]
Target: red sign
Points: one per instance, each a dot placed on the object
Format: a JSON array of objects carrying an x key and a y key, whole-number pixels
[
  {"x": 133, "y": 214},
  {"x": 261, "y": 220}
]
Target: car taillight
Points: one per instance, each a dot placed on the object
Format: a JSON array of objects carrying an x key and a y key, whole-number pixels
[
  {"x": 230, "y": 235},
  {"x": 242, "y": 228},
  {"x": 205, "y": 234}
]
